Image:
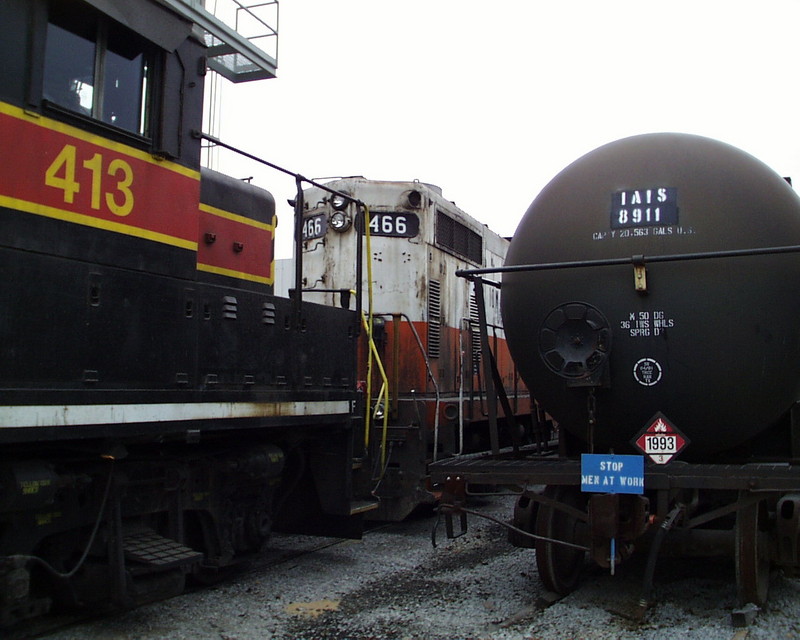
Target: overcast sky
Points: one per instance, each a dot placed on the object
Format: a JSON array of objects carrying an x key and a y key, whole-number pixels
[{"x": 491, "y": 99}]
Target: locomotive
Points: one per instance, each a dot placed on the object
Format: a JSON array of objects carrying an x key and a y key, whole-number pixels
[
  {"x": 424, "y": 327},
  {"x": 163, "y": 411},
  {"x": 645, "y": 303}
]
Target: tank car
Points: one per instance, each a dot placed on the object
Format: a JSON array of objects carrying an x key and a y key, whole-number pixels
[
  {"x": 162, "y": 410},
  {"x": 646, "y": 305},
  {"x": 712, "y": 343},
  {"x": 424, "y": 325}
]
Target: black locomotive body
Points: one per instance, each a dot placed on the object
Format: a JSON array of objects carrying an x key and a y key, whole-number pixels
[
  {"x": 161, "y": 410},
  {"x": 648, "y": 299}
]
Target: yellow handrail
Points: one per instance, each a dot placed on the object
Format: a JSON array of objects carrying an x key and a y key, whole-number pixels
[
  {"x": 373, "y": 353},
  {"x": 384, "y": 392},
  {"x": 368, "y": 327}
]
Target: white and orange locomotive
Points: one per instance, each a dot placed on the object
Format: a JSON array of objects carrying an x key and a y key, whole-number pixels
[{"x": 427, "y": 385}]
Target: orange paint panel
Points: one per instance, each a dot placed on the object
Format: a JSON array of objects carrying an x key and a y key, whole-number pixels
[
  {"x": 410, "y": 370},
  {"x": 519, "y": 406}
]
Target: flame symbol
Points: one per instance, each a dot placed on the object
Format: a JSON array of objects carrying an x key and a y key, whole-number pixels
[{"x": 659, "y": 426}]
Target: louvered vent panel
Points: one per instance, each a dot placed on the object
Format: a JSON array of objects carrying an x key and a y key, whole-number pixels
[
  {"x": 268, "y": 313},
  {"x": 456, "y": 237},
  {"x": 230, "y": 307},
  {"x": 474, "y": 326},
  {"x": 434, "y": 318}
]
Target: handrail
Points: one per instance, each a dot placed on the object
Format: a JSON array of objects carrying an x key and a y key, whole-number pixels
[
  {"x": 298, "y": 212},
  {"x": 373, "y": 357},
  {"x": 384, "y": 392},
  {"x": 298, "y": 209},
  {"x": 369, "y": 328},
  {"x": 635, "y": 260},
  {"x": 373, "y": 352},
  {"x": 427, "y": 362},
  {"x": 461, "y": 382}
]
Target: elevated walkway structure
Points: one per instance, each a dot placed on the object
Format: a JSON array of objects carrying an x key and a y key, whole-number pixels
[{"x": 242, "y": 36}]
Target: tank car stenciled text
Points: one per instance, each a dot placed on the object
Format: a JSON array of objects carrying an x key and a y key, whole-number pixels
[
  {"x": 643, "y": 324},
  {"x": 644, "y": 207}
]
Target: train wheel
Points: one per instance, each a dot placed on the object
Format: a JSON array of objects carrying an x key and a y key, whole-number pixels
[
  {"x": 752, "y": 555},
  {"x": 560, "y": 566}
]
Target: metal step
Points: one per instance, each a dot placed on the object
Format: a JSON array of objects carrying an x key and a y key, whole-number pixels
[
  {"x": 362, "y": 506},
  {"x": 149, "y": 548}
]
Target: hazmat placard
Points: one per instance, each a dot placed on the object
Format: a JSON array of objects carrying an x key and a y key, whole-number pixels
[{"x": 660, "y": 440}]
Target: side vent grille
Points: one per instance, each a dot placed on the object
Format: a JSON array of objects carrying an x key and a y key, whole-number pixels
[
  {"x": 268, "y": 313},
  {"x": 474, "y": 326},
  {"x": 229, "y": 307},
  {"x": 434, "y": 318},
  {"x": 458, "y": 238}
]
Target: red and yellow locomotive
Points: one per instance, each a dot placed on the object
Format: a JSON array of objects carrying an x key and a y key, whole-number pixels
[{"x": 162, "y": 410}]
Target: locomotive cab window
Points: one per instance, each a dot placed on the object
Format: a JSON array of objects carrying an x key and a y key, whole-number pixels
[{"x": 97, "y": 68}]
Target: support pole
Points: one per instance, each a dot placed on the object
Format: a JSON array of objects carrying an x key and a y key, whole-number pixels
[{"x": 486, "y": 363}]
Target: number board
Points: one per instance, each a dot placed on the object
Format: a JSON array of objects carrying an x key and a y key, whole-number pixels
[
  {"x": 315, "y": 227},
  {"x": 657, "y": 206},
  {"x": 660, "y": 440},
  {"x": 68, "y": 174},
  {"x": 395, "y": 225}
]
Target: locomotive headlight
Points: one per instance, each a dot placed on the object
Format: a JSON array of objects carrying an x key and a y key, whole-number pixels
[
  {"x": 339, "y": 202},
  {"x": 340, "y": 221}
]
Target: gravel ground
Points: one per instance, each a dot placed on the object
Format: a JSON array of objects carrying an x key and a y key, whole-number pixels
[{"x": 393, "y": 585}]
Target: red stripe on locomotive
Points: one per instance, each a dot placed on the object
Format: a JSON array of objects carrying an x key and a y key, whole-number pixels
[
  {"x": 245, "y": 247},
  {"x": 48, "y": 171}
]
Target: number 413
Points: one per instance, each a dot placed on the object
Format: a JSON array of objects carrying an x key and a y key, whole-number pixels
[{"x": 62, "y": 174}]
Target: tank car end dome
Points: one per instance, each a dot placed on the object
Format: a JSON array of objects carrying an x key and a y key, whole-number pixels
[{"x": 712, "y": 342}]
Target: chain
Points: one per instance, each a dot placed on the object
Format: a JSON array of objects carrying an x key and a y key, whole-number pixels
[{"x": 591, "y": 407}]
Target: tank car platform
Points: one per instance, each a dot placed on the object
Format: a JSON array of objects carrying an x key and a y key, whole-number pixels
[{"x": 675, "y": 475}]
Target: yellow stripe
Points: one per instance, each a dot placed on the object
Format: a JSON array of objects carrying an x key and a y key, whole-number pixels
[
  {"x": 233, "y": 274},
  {"x": 97, "y": 223},
  {"x": 60, "y": 127},
  {"x": 221, "y": 213}
]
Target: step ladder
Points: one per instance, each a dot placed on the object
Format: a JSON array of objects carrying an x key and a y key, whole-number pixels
[{"x": 151, "y": 550}]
